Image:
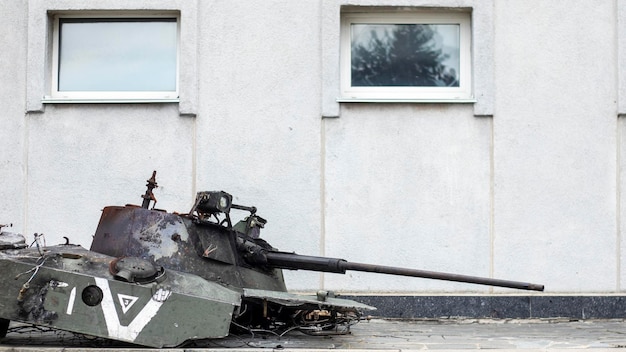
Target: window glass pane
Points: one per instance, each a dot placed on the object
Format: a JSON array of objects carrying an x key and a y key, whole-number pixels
[
  {"x": 405, "y": 55},
  {"x": 117, "y": 55}
]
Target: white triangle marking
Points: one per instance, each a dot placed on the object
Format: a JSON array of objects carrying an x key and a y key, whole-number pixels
[{"x": 126, "y": 301}]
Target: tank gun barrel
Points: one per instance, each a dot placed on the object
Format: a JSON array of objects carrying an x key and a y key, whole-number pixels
[{"x": 294, "y": 261}]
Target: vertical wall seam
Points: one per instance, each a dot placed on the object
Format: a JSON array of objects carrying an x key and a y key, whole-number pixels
[
  {"x": 618, "y": 156},
  {"x": 618, "y": 196},
  {"x": 194, "y": 126},
  {"x": 322, "y": 140},
  {"x": 492, "y": 187},
  {"x": 322, "y": 194},
  {"x": 25, "y": 151},
  {"x": 25, "y": 138},
  {"x": 491, "y": 202},
  {"x": 618, "y": 205},
  {"x": 194, "y": 156}
]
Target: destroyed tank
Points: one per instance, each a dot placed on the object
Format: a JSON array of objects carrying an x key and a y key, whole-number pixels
[{"x": 162, "y": 279}]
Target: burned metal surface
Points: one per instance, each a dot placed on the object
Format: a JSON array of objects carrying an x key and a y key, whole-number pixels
[
  {"x": 178, "y": 243},
  {"x": 32, "y": 306}
]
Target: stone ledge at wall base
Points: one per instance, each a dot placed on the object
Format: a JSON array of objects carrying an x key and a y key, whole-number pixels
[{"x": 500, "y": 307}]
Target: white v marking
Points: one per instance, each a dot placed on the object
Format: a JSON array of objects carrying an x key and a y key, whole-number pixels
[{"x": 114, "y": 327}]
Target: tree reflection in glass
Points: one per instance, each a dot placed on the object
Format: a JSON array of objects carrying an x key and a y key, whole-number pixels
[{"x": 405, "y": 55}]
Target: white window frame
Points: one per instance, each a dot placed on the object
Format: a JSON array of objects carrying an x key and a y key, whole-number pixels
[
  {"x": 108, "y": 96},
  {"x": 463, "y": 93},
  {"x": 39, "y": 47}
]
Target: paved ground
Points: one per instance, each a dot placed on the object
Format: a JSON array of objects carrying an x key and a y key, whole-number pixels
[{"x": 378, "y": 334}]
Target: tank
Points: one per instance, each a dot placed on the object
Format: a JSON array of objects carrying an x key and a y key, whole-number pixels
[{"x": 161, "y": 279}]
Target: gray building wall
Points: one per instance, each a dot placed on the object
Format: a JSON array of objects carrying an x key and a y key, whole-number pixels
[{"x": 524, "y": 184}]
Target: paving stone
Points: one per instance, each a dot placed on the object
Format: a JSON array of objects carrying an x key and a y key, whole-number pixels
[{"x": 381, "y": 335}]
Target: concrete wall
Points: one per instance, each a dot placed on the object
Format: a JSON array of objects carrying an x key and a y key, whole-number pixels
[
  {"x": 12, "y": 126},
  {"x": 555, "y": 144},
  {"x": 530, "y": 192}
]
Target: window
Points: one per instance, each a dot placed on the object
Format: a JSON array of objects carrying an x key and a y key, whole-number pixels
[
  {"x": 406, "y": 55},
  {"x": 108, "y": 58}
]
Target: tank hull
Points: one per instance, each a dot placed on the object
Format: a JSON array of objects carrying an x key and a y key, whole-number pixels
[{"x": 71, "y": 288}]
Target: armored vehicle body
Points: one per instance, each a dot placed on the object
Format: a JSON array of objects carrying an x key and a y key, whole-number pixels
[{"x": 161, "y": 279}]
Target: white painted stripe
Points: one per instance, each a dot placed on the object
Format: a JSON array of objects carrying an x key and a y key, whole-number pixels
[{"x": 70, "y": 303}]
